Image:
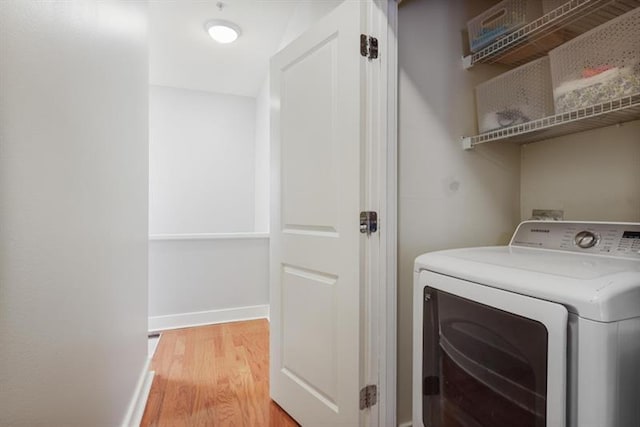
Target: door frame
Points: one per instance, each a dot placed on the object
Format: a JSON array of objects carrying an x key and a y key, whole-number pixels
[{"x": 381, "y": 169}]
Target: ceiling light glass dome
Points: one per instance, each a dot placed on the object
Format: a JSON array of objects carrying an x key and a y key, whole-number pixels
[{"x": 222, "y": 31}]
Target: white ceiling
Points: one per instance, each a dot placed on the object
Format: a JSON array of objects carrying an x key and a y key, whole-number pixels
[{"x": 181, "y": 53}]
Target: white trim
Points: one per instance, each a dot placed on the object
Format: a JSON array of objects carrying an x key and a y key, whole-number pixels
[
  {"x": 135, "y": 411},
  {"x": 156, "y": 343},
  {"x": 211, "y": 317},
  {"x": 380, "y": 253},
  {"x": 388, "y": 284},
  {"x": 209, "y": 236},
  {"x": 381, "y": 196}
]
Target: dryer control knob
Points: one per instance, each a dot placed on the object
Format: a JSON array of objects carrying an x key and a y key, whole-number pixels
[{"x": 586, "y": 239}]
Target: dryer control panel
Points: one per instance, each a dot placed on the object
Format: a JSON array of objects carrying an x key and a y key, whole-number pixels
[{"x": 598, "y": 238}]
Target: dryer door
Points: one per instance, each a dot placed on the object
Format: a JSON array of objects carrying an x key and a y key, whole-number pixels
[{"x": 490, "y": 357}]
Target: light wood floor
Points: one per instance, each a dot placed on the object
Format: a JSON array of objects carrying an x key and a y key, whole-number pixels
[{"x": 214, "y": 376}]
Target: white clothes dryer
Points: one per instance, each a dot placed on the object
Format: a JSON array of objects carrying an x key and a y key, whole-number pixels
[{"x": 544, "y": 332}]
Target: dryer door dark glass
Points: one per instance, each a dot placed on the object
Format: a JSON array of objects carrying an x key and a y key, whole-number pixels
[{"x": 482, "y": 367}]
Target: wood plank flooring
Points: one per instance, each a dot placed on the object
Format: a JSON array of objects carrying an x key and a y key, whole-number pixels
[{"x": 214, "y": 376}]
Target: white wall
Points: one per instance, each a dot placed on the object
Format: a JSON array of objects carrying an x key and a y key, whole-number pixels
[
  {"x": 201, "y": 162},
  {"x": 592, "y": 176},
  {"x": 262, "y": 155},
  {"x": 207, "y": 275},
  {"x": 73, "y": 211},
  {"x": 447, "y": 197}
]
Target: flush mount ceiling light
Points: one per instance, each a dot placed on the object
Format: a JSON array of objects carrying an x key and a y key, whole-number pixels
[{"x": 222, "y": 31}]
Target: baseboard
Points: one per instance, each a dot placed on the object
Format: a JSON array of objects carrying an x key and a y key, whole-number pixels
[
  {"x": 407, "y": 424},
  {"x": 140, "y": 396},
  {"x": 200, "y": 318}
]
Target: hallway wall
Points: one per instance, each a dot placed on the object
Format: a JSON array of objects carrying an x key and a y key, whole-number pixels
[
  {"x": 202, "y": 165},
  {"x": 262, "y": 184},
  {"x": 208, "y": 280},
  {"x": 73, "y": 211},
  {"x": 201, "y": 162}
]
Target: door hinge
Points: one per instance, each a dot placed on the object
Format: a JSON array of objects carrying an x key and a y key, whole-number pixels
[
  {"x": 368, "y": 396},
  {"x": 368, "y": 222},
  {"x": 368, "y": 46}
]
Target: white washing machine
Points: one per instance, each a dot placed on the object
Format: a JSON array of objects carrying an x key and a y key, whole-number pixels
[{"x": 543, "y": 332}]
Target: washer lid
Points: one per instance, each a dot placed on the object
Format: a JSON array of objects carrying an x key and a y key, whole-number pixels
[{"x": 600, "y": 288}]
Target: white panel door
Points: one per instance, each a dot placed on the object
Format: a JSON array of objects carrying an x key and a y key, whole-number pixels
[{"x": 316, "y": 280}]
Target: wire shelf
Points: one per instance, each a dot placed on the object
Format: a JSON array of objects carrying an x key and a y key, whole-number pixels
[
  {"x": 613, "y": 112},
  {"x": 560, "y": 25}
]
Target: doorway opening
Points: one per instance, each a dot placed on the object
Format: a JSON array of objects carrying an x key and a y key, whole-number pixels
[{"x": 210, "y": 138}]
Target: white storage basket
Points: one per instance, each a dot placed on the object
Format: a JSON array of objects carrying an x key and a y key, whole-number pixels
[
  {"x": 503, "y": 18},
  {"x": 598, "y": 66},
  {"x": 515, "y": 97}
]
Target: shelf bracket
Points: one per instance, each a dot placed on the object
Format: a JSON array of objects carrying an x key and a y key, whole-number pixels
[
  {"x": 466, "y": 143},
  {"x": 467, "y": 62}
]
